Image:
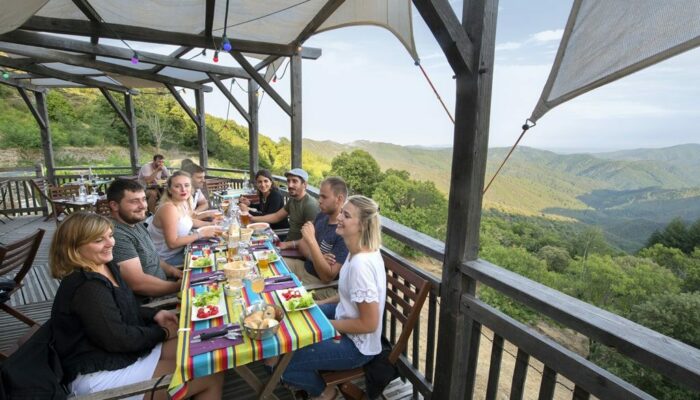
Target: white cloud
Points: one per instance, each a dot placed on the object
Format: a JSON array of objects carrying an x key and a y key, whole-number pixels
[
  {"x": 547, "y": 36},
  {"x": 508, "y": 46}
]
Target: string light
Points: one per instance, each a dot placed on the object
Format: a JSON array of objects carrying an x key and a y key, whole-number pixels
[
  {"x": 227, "y": 44},
  {"x": 135, "y": 58},
  {"x": 216, "y": 56},
  {"x": 5, "y": 75}
]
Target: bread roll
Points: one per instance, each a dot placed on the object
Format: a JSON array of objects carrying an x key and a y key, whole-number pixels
[
  {"x": 271, "y": 322},
  {"x": 269, "y": 312}
]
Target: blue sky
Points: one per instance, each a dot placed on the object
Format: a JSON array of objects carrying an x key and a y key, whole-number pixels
[{"x": 366, "y": 87}]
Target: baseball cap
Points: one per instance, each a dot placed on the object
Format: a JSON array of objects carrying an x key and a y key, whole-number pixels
[{"x": 298, "y": 172}]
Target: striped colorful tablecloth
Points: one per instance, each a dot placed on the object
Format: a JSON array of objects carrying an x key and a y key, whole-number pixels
[{"x": 297, "y": 329}]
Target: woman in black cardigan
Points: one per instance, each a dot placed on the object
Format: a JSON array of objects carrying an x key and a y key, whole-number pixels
[
  {"x": 271, "y": 199},
  {"x": 102, "y": 335}
]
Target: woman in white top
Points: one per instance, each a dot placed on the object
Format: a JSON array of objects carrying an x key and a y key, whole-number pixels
[
  {"x": 171, "y": 228},
  {"x": 357, "y": 309}
]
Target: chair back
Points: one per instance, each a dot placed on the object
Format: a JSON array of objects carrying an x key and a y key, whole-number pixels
[
  {"x": 20, "y": 254},
  {"x": 215, "y": 185},
  {"x": 63, "y": 192},
  {"x": 102, "y": 208},
  {"x": 406, "y": 292}
]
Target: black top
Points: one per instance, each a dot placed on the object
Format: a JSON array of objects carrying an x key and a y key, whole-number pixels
[
  {"x": 100, "y": 327},
  {"x": 271, "y": 205}
]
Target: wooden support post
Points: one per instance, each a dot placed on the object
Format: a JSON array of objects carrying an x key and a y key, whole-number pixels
[
  {"x": 295, "y": 71},
  {"x": 253, "y": 153},
  {"x": 46, "y": 141},
  {"x": 133, "y": 138},
  {"x": 456, "y": 342},
  {"x": 201, "y": 129}
]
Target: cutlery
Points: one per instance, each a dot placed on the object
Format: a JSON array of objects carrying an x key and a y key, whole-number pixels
[
  {"x": 213, "y": 279},
  {"x": 206, "y": 278},
  {"x": 279, "y": 279},
  {"x": 230, "y": 331}
]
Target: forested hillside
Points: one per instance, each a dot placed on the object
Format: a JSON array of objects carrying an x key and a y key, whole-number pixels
[{"x": 617, "y": 230}]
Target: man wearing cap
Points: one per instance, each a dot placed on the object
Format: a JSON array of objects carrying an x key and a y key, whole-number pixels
[{"x": 300, "y": 208}]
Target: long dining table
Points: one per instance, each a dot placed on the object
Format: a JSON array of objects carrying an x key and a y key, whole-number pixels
[{"x": 297, "y": 329}]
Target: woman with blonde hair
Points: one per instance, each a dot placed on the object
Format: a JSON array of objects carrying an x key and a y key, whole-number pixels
[
  {"x": 357, "y": 309},
  {"x": 103, "y": 337},
  {"x": 173, "y": 223}
]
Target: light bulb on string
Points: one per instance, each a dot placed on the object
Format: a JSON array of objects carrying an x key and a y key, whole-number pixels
[
  {"x": 226, "y": 44},
  {"x": 274, "y": 79},
  {"x": 135, "y": 58},
  {"x": 216, "y": 56},
  {"x": 5, "y": 75}
]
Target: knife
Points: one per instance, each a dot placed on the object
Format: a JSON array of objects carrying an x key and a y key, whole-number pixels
[
  {"x": 206, "y": 278},
  {"x": 235, "y": 328},
  {"x": 279, "y": 279}
]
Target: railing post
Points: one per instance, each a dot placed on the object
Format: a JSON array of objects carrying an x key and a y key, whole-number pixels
[
  {"x": 39, "y": 171},
  {"x": 458, "y": 338}
]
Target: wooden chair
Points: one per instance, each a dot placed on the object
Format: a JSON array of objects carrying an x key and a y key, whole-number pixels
[
  {"x": 19, "y": 254},
  {"x": 406, "y": 292},
  {"x": 102, "y": 208},
  {"x": 48, "y": 194},
  {"x": 216, "y": 185}
]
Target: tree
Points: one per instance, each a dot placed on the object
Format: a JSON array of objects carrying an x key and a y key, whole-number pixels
[
  {"x": 359, "y": 169},
  {"x": 557, "y": 259},
  {"x": 674, "y": 315}
]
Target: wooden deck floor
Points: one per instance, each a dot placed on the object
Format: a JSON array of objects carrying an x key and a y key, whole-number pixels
[{"x": 36, "y": 297}]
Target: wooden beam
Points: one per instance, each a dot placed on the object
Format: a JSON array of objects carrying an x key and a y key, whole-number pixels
[
  {"x": 209, "y": 18},
  {"x": 46, "y": 140},
  {"x": 318, "y": 20},
  {"x": 295, "y": 89},
  {"x": 60, "y": 43},
  {"x": 455, "y": 377},
  {"x": 133, "y": 138},
  {"x": 448, "y": 32},
  {"x": 183, "y": 104},
  {"x": 87, "y": 10},
  {"x": 32, "y": 108},
  {"x": 52, "y": 73},
  {"x": 253, "y": 142},
  {"x": 201, "y": 129},
  {"x": 227, "y": 93},
  {"x": 125, "y": 119},
  {"x": 143, "y": 34},
  {"x": 44, "y": 55},
  {"x": 23, "y": 85},
  {"x": 262, "y": 82}
]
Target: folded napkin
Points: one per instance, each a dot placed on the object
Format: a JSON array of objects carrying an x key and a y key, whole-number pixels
[
  {"x": 204, "y": 275},
  {"x": 279, "y": 282},
  {"x": 212, "y": 344},
  {"x": 291, "y": 253}
]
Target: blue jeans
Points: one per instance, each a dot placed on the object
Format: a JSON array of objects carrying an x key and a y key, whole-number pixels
[
  {"x": 177, "y": 259},
  {"x": 329, "y": 355}
]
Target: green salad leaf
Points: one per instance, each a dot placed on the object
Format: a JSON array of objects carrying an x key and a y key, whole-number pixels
[
  {"x": 203, "y": 262},
  {"x": 305, "y": 301},
  {"x": 209, "y": 298}
]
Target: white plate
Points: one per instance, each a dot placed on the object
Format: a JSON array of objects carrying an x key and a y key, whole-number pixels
[
  {"x": 301, "y": 290},
  {"x": 221, "y": 305},
  {"x": 264, "y": 253},
  {"x": 211, "y": 257}
]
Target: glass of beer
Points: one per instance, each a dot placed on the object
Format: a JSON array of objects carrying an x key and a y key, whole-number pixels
[
  {"x": 225, "y": 206},
  {"x": 245, "y": 218},
  {"x": 231, "y": 252}
]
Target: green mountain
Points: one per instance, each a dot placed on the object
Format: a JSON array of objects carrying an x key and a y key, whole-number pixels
[{"x": 627, "y": 193}]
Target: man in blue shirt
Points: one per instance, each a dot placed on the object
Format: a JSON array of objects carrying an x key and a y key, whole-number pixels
[{"x": 324, "y": 250}]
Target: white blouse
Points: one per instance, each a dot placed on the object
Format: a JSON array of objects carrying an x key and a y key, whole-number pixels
[{"x": 362, "y": 280}]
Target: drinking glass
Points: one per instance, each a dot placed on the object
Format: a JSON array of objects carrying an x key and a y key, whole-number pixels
[{"x": 257, "y": 283}]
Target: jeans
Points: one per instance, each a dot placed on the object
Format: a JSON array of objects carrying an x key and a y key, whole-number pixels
[
  {"x": 177, "y": 259},
  {"x": 329, "y": 355}
]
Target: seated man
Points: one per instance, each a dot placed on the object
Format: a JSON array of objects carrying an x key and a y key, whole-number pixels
[
  {"x": 200, "y": 202},
  {"x": 323, "y": 248},
  {"x": 300, "y": 209},
  {"x": 133, "y": 251},
  {"x": 149, "y": 175}
]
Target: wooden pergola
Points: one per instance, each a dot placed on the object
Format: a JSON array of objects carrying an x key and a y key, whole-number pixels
[{"x": 468, "y": 46}]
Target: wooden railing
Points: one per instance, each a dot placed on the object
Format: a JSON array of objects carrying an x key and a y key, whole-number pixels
[
  {"x": 16, "y": 194},
  {"x": 673, "y": 359}
]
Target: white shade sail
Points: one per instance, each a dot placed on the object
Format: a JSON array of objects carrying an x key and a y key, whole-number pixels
[{"x": 606, "y": 40}]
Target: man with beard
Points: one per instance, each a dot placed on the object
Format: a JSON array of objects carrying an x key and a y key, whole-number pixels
[
  {"x": 134, "y": 252},
  {"x": 300, "y": 208}
]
